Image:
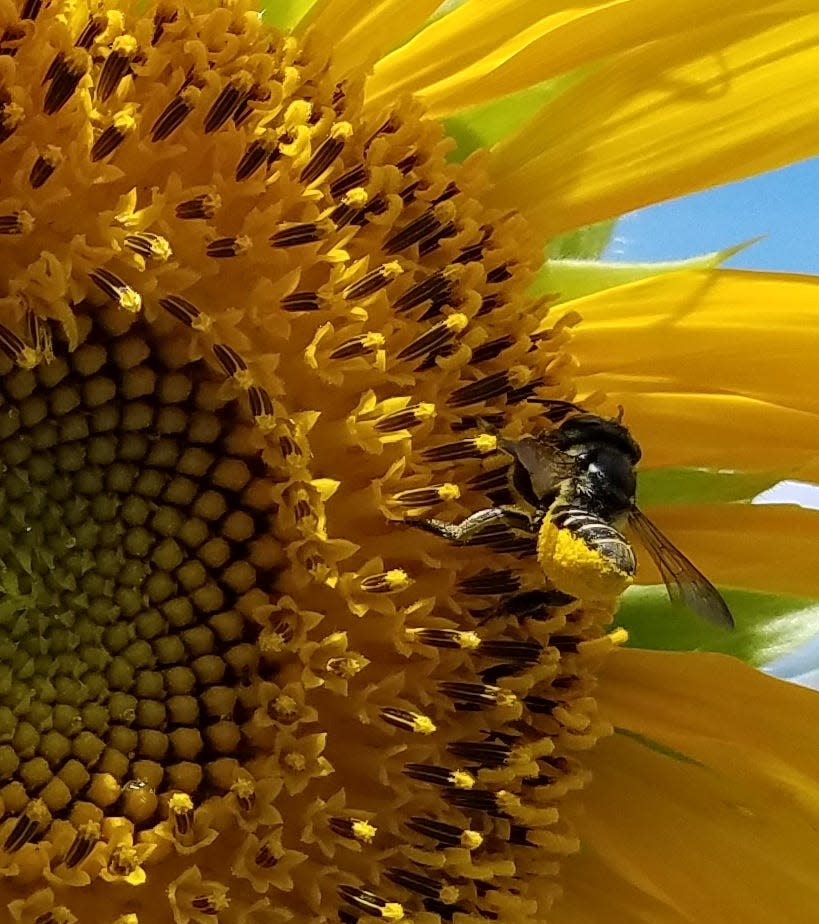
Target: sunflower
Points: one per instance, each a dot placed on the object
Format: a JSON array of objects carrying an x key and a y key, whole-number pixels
[{"x": 258, "y": 319}]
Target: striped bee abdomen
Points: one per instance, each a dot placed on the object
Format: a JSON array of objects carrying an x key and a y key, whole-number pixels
[{"x": 598, "y": 535}]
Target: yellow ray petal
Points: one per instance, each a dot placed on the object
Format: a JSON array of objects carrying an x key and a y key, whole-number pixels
[
  {"x": 711, "y": 431},
  {"x": 725, "y": 332},
  {"x": 769, "y": 547},
  {"x": 675, "y": 842},
  {"x": 482, "y": 51},
  {"x": 361, "y": 31},
  {"x": 761, "y": 731},
  {"x": 705, "y": 106}
]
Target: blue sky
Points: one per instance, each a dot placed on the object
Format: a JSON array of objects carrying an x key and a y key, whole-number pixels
[{"x": 782, "y": 206}]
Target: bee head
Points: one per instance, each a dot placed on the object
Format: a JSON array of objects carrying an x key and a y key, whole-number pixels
[{"x": 588, "y": 430}]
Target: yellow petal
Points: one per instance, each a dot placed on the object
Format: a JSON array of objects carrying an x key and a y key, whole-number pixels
[
  {"x": 705, "y": 106},
  {"x": 717, "y": 710},
  {"x": 712, "y": 368},
  {"x": 672, "y": 842},
  {"x": 712, "y": 431},
  {"x": 769, "y": 547},
  {"x": 724, "y": 331},
  {"x": 482, "y": 51},
  {"x": 361, "y": 31}
]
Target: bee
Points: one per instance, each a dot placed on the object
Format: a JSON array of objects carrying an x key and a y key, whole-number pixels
[{"x": 574, "y": 488}]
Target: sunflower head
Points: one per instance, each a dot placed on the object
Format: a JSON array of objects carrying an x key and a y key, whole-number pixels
[{"x": 249, "y": 326}]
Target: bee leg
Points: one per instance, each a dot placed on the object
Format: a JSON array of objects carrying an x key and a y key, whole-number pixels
[{"x": 472, "y": 529}]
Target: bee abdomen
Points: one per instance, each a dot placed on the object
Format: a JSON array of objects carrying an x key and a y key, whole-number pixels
[{"x": 598, "y": 535}]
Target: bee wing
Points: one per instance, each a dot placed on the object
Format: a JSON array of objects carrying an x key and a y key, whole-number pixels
[
  {"x": 685, "y": 583},
  {"x": 546, "y": 465}
]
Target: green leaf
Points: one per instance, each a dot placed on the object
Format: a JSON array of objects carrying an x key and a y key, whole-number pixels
[
  {"x": 574, "y": 278},
  {"x": 582, "y": 243},
  {"x": 285, "y": 13},
  {"x": 700, "y": 486},
  {"x": 485, "y": 125},
  {"x": 767, "y": 625}
]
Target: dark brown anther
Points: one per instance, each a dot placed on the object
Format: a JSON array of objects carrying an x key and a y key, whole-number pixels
[
  {"x": 41, "y": 170},
  {"x": 373, "y": 282},
  {"x": 474, "y": 800},
  {"x": 110, "y": 139},
  {"x": 117, "y": 65},
  {"x": 31, "y": 9},
  {"x": 444, "y": 834},
  {"x": 204, "y": 206},
  {"x": 450, "y": 192},
  {"x": 428, "y": 773},
  {"x": 265, "y": 856},
  {"x": 406, "y": 419},
  {"x": 63, "y": 76},
  {"x": 482, "y": 390},
  {"x": 92, "y": 30},
  {"x": 484, "y": 753},
  {"x": 540, "y": 705},
  {"x": 429, "y": 341},
  {"x": 223, "y": 107},
  {"x": 461, "y": 449},
  {"x": 431, "y": 243},
  {"x": 301, "y": 301},
  {"x": 516, "y": 395},
  {"x": 493, "y": 480},
  {"x": 350, "y": 179},
  {"x": 261, "y": 404},
  {"x": 109, "y": 283},
  {"x": 365, "y": 901},
  {"x": 145, "y": 243},
  {"x": 526, "y": 652},
  {"x": 11, "y": 40},
  {"x": 27, "y": 826},
  {"x": 256, "y": 156},
  {"x": 182, "y": 310},
  {"x": 440, "y": 638},
  {"x": 414, "y": 882},
  {"x": 489, "y": 303},
  {"x": 400, "y": 718},
  {"x": 499, "y": 274},
  {"x": 407, "y": 163},
  {"x": 207, "y": 904},
  {"x": 493, "y": 583},
  {"x": 171, "y": 117},
  {"x": 86, "y": 838},
  {"x": 476, "y": 694},
  {"x": 438, "y": 286},
  {"x": 419, "y": 497},
  {"x": 230, "y": 361},
  {"x": 407, "y": 194},
  {"x": 355, "y": 346},
  {"x": 491, "y": 349},
  {"x": 388, "y": 127},
  {"x": 15, "y": 223},
  {"x": 306, "y": 232},
  {"x": 228, "y": 247},
  {"x": 322, "y": 158},
  {"x": 425, "y": 224},
  {"x": 162, "y": 17}
]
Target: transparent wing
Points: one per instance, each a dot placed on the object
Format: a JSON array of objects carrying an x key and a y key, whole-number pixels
[
  {"x": 546, "y": 467},
  {"x": 685, "y": 583}
]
